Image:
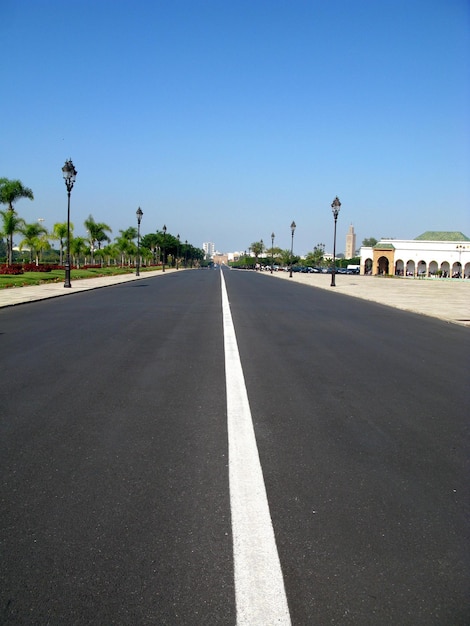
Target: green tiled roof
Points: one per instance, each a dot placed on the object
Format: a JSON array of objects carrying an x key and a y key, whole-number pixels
[
  {"x": 442, "y": 235},
  {"x": 384, "y": 246}
]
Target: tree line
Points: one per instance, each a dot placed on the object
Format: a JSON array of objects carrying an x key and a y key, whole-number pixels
[
  {"x": 96, "y": 248},
  {"x": 264, "y": 255}
]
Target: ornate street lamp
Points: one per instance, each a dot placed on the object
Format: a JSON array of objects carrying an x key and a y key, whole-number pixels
[
  {"x": 185, "y": 253},
  {"x": 292, "y": 227},
  {"x": 139, "y": 214},
  {"x": 272, "y": 251},
  {"x": 460, "y": 248},
  {"x": 177, "y": 250},
  {"x": 69, "y": 173},
  {"x": 335, "y": 207},
  {"x": 164, "y": 234}
]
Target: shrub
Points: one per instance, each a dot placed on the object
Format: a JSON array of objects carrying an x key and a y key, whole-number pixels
[
  {"x": 11, "y": 270},
  {"x": 32, "y": 267}
]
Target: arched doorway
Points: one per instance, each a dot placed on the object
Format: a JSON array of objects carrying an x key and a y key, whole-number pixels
[
  {"x": 433, "y": 268},
  {"x": 421, "y": 268},
  {"x": 368, "y": 266},
  {"x": 445, "y": 269},
  {"x": 457, "y": 270},
  {"x": 382, "y": 265},
  {"x": 399, "y": 268},
  {"x": 410, "y": 268}
]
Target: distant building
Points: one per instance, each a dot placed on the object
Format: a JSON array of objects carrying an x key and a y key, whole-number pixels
[
  {"x": 220, "y": 259},
  {"x": 441, "y": 254},
  {"x": 235, "y": 256},
  {"x": 209, "y": 249},
  {"x": 350, "y": 251}
]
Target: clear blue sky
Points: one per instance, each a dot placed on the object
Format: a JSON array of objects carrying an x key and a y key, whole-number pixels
[{"x": 226, "y": 120}]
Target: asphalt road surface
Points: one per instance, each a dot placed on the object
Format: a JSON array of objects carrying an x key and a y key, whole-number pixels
[{"x": 120, "y": 502}]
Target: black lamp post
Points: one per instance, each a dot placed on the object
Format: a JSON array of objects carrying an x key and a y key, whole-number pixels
[
  {"x": 139, "y": 214},
  {"x": 272, "y": 251},
  {"x": 185, "y": 253},
  {"x": 164, "y": 234},
  {"x": 292, "y": 227},
  {"x": 335, "y": 207},
  {"x": 69, "y": 173},
  {"x": 177, "y": 250}
]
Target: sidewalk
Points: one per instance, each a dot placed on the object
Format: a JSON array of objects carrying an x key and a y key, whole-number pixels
[
  {"x": 447, "y": 299},
  {"x": 21, "y": 295}
]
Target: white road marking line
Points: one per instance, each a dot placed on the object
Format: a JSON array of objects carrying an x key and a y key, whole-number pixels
[{"x": 259, "y": 586}]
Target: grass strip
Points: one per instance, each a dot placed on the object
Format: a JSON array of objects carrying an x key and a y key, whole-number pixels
[{"x": 56, "y": 276}]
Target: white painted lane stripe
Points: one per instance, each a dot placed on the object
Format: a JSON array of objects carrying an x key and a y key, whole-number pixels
[{"x": 259, "y": 585}]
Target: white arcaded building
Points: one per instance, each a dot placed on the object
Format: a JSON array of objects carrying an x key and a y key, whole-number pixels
[{"x": 432, "y": 254}]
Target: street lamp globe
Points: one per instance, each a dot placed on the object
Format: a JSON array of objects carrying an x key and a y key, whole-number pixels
[
  {"x": 335, "y": 207},
  {"x": 70, "y": 174}
]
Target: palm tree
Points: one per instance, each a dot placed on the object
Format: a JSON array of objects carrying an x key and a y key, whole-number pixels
[
  {"x": 97, "y": 233},
  {"x": 32, "y": 238},
  {"x": 13, "y": 190},
  {"x": 125, "y": 247},
  {"x": 101, "y": 235},
  {"x": 146, "y": 255},
  {"x": 151, "y": 242},
  {"x": 286, "y": 258},
  {"x": 11, "y": 224},
  {"x": 111, "y": 253},
  {"x": 125, "y": 243},
  {"x": 78, "y": 248},
  {"x": 257, "y": 247},
  {"x": 129, "y": 233},
  {"x": 99, "y": 255},
  {"x": 315, "y": 258},
  {"x": 59, "y": 233},
  {"x": 42, "y": 245}
]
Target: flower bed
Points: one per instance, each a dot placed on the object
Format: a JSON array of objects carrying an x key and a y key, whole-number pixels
[
  {"x": 32, "y": 267},
  {"x": 18, "y": 268},
  {"x": 11, "y": 270}
]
